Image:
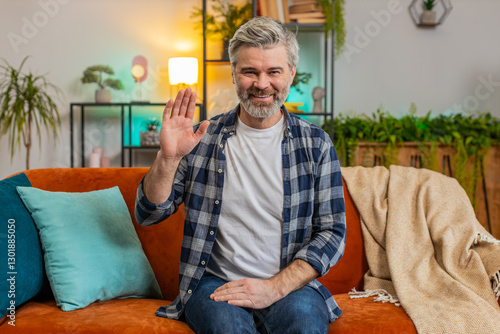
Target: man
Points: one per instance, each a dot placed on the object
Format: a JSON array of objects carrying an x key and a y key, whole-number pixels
[{"x": 263, "y": 198}]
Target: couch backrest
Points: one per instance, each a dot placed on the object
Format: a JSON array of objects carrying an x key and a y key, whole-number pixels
[{"x": 162, "y": 242}]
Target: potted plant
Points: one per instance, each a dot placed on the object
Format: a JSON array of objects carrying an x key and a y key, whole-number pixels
[
  {"x": 428, "y": 16},
  {"x": 94, "y": 74},
  {"x": 24, "y": 101},
  {"x": 333, "y": 10},
  {"x": 223, "y": 23},
  {"x": 151, "y": 137}
]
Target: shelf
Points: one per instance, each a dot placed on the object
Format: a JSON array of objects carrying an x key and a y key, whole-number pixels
[
  {"x": 218, "y": 62},
  {"x": 327, "y": 68},
  {"x": 125, "y": 113}
]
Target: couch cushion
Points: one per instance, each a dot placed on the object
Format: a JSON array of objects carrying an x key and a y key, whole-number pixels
[
  {"x": 115, "y": 316},
  {"x": 161, "y": 242},
  {"x": 91, "y": 250},
  {"x": 365, "y": 316},
  {"x": 21, "y": 253}
]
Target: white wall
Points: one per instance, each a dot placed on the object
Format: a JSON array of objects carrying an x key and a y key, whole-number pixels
[
  {"x": 391, "y": 62},
  {"x": 438, "y": 69}
]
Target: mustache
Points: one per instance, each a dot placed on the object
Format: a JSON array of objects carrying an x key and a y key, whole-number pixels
[{"x": 258, "y": 92}]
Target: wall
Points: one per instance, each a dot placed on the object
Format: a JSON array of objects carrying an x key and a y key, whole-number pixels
[
  {"x": 394, "y": 64},
  {"x": 390, "y": 62}
]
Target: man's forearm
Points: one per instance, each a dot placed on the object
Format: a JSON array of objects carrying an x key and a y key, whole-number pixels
[
  {"x": 157, "y": 184},
  {"x": 258, "y": 294},
  {"x": 294, "y": 277}
]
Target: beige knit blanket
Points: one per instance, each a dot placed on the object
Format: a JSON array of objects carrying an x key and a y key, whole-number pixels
[{"x": 426, "y": 249}]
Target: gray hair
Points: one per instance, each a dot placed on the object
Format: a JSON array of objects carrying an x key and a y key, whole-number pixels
[{"x": 264, "y": 32}]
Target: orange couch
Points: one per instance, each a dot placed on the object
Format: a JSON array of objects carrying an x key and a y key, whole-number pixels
[{"x": 162, "y": 244}]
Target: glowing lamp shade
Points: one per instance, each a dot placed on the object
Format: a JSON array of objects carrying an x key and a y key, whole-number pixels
[
  {"x": 140, "y": 68},
  {"x": 183, "y": 70},
  {"x": 138, "y": 72}
]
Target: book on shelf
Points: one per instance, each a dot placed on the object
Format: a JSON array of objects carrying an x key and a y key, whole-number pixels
[
  {"x": 275, "y": 9},
  {"x": 311, "y": 20},
  {"x": 305, "y": 7},
  {"x": 311, "y": 17}
]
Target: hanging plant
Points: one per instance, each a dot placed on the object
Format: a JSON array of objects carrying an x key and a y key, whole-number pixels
[{"x": 333, "y": 10}]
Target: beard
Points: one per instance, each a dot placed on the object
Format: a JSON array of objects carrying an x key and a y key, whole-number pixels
[{"x": 259, "y": 109}]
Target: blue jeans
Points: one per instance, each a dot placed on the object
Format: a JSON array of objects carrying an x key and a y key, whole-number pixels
[{"x": 302, "y": 311}]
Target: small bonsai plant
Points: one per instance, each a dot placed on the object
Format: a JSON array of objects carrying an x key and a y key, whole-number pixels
[
  {"x": 25, "y": 101},
  {"x": 94, "y": 74},
  {"x": 227, "y": 18}
]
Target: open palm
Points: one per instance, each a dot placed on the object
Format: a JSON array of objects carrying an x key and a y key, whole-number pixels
[{"x": 177, "y": 137}]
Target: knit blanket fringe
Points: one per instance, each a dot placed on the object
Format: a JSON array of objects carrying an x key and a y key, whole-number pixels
[
  {"x": 380, "y": 295},
  {"x": 496, "y": 284},
  {"x": 495, "y": 281},
  {"x": 482, "y": 237}
]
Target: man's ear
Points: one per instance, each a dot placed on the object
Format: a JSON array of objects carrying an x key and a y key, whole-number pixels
[
  {"x": 232, "y": 74},
  {"x": 294, "y": 70}
]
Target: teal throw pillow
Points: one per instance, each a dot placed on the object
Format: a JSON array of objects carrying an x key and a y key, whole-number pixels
[
  {"x": 91, "y": 249},
  {"x": 21, "y": 274}
]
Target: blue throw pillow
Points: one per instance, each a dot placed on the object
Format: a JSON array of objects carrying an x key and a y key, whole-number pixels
[
  {"x": 21, "y": 276},
  {"x": 91, "y": 249}
]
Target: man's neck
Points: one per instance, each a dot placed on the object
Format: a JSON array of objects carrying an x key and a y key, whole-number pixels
[{"x": 259, "y": 123}]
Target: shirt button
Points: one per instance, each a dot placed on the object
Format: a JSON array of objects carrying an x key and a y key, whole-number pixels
[
  {"x": 203, "y": 263},
  {"x": 211, "y": 232},
  {"x": 221, "y": 146},
  {"x": 225, "y": 129},
  {"x": 190, "y": 291},
  {"x": 216, "y": 202},
  {"x": 219, "y": 171}
]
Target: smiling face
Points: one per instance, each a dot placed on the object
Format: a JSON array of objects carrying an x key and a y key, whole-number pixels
[{"x": 262, "y": 78}]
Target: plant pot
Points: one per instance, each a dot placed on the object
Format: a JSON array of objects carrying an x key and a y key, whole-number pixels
[
  {"x": 102, "y": 96},
  {"x": 428, "y": 18},
  {"x": 225, "y": 50},
  {"x": 150, "y": 138}
]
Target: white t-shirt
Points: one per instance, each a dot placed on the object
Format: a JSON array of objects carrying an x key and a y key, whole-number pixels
[{"x": 248, "y": 242}]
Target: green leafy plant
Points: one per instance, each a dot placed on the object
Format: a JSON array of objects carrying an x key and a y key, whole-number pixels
[
  {"x": 25, "y": 101},
  {"x": 224, "y": 21},
  {"x": 469, "y": 136},
  {"x": 152, "y": 125},
  {"x": 301, "y": 78},
  {"x": 94, "y": 74},
  {"x": 429, "y": 4},
  {"x": 333, "y": 10}
]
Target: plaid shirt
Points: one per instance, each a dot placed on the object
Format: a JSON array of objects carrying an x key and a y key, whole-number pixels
[{"x": 313, "y": 214}]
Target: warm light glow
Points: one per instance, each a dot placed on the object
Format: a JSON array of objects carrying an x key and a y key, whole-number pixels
[
  {"x": 183, "y": 70},
  {"x": 138, "y": 71}
]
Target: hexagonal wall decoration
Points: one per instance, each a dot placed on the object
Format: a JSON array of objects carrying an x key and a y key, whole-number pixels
[{"x": 430, "y": 18}]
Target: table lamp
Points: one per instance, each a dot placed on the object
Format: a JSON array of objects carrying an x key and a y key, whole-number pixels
[{"x": 183, "y": 71}]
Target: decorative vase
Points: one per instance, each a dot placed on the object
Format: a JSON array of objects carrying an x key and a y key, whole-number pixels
[
  {"x": 102, "y": 96},
  {"x": 150, "y": 138},
  {"x": 428, "y": 18}
]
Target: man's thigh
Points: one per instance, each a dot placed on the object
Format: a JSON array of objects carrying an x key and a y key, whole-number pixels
[
  {"x": 204, "y": 315},
  {"x": 302, "y": 311}
]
